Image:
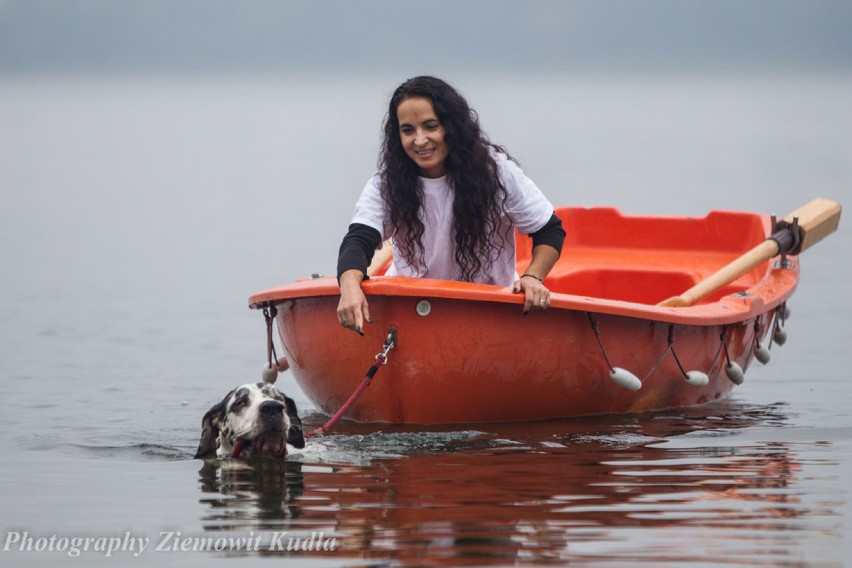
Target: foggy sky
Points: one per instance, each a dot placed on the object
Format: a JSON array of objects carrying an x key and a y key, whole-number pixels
[{"x": 363, "y": 36}]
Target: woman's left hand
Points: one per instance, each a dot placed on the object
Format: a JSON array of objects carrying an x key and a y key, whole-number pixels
[{"x": 536, "y": 295}]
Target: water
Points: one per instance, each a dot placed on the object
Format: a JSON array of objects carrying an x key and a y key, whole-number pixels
[{"x": 138, "y": 215}]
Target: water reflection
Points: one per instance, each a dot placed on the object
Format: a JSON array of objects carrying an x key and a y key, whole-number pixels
[
  {"x": 243, "y": 495},
  {"x": 658, "y": 487}
]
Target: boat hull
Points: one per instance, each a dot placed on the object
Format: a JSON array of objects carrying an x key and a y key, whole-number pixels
[{"x": 480, "y": 362}]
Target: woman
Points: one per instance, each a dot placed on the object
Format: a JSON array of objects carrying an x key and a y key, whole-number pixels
[{"x": 450, "y": 200}]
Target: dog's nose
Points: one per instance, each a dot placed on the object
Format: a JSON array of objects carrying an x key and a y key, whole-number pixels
[{"x": 271, "y": 408}]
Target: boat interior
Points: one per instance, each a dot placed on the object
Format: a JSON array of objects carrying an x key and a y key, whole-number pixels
[{"x": 645, "y": 259}]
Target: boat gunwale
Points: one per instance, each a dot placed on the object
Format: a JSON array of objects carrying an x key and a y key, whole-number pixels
[{"x": 768, "y": 293}]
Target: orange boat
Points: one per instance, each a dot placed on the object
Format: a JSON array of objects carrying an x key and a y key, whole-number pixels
[{"x": 620, "y": 335}]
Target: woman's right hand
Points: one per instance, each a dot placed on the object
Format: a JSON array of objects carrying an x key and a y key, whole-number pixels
[{"x": 353, "y": 310}]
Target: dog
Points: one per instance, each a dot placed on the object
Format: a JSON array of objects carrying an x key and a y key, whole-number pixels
[{"x": 252, "y": 420}]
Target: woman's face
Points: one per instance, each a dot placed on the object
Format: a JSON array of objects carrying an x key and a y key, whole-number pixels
[{"x": 422, "y": 135}]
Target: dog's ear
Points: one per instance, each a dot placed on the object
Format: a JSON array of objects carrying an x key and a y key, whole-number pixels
[
  {"x": 207, "y": 445},
  {"x": 295, "y": 436}
]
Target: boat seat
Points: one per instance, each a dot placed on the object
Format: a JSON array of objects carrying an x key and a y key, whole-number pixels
[{"x": 641, "y": 286}]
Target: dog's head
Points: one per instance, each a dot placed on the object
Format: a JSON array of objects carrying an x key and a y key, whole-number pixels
[{"x": 252, "y": 420}]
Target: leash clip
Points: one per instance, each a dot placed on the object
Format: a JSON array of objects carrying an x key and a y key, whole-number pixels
[{"x": 390, "y": 343}]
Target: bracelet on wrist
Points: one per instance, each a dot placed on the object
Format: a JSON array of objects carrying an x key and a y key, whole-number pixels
[{"x": 532, "y": 276}]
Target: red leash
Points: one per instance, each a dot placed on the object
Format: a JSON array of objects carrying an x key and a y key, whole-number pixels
[{"x": 381, "y": 359}]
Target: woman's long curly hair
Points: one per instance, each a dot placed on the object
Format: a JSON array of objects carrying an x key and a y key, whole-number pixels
[{"x": 470, "y": 169}]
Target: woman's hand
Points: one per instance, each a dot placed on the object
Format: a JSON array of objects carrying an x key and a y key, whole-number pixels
[
  {"x": 536, "y": 295},
  {"x": 353, "y": 310}
]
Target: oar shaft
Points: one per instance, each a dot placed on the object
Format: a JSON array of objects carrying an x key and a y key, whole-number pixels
[{"x": 724, "y": 276}]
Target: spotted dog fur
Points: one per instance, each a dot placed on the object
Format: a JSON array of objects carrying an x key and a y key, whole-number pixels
[{"x": 252, "y": 420}]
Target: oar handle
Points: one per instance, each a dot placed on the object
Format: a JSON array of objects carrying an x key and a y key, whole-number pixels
[
  {"x": 817, "y": 219},
  {"x": 381, "y": 258},
  {"x": 812, "y": 222}
]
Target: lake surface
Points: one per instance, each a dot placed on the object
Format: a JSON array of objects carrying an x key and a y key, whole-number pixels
[{"x": 138, "y": 215}]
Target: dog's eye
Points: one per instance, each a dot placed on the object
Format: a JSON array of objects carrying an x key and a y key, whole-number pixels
[{"x": 238, "y": 405}]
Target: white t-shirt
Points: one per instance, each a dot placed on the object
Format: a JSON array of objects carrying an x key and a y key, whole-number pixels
[{"x": 526, "y": 209}]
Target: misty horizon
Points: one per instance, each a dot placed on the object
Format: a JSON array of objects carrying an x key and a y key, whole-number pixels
[{"x": 335, "y": 36}]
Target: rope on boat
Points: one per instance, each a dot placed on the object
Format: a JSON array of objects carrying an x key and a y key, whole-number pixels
[
  {"x": 381, "y": 359},
  {"x": 274, "y": 365},
  {"x": 659, "y": 359},
  {"x": 593, "y": 322},
  {"x": 723, "y": 337},
  {"x": 696, "y": 378},
  {"x": 269, "y": 313},
  {"x": 674, "y": 353}
]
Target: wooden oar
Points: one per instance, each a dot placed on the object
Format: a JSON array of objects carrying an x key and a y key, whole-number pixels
[
  {"x": 814, "y": 221},
  {"x": 381, "y": 257}
]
